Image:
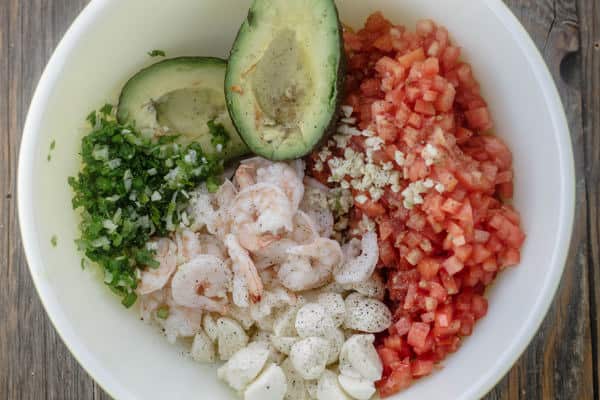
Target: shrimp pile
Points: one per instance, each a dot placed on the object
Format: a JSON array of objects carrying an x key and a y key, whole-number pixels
[{"x": 257, "y": 280}]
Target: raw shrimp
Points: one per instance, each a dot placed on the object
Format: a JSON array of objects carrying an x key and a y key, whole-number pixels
[
  {"x": 202, "y": 208},
  {"x": 156, "y": 278},
  {"x": 315, "y": 204},
  {"x": 273, "y": 254},
  {"x": 358, "y": 267},
  {"x": 246, "y": 283},
  {"x": 202, "y": 283},
  {"x": 310, "y": 266},
  {"x": 191, "y": 244},
  {"x": 286, "y": 176},
  {"x": 179, "y": 322},
  {"x": 245, "y": 175},
  {"x": 304, "y": 230},
  {"x": 260, "y": 213},
  {"x": 283, "y": 176}
]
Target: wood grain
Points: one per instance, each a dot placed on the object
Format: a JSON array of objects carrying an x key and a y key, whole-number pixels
[{"x": 560, "y": 363}]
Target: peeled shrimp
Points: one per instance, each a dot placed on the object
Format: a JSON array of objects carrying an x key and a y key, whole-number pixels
[
  {"x": 310, "y": 266},
  {"x": 359, "y": 268},
  {"x": 314, "y": 203},
  {"x": 286, "y": 176},
  {"x": 202, "y": 283},
  {"x": 259, "y": 214},
  {"x": 273, "y": 254},
  {"x": 202, "y": 208},
  {"x": 191, "y": 244},
  {"x": 247, "y": 284},
  {"x": 180, "y": 321},
  {"x": 304, "y": 229},
  {"x": 156, "y": 278},
  {"x": 220, "y": 225}
]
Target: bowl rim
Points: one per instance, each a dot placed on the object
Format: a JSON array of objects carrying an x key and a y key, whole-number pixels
[{"x": 104, "y": 378}]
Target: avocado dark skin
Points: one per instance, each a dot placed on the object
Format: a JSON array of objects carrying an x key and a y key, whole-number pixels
[{"x": 338, "y": 89}]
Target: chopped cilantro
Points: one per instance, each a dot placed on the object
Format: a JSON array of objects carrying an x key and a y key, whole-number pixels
[
  {"x": 219, "y": 135},
  {"x": 157, "y": 53},
  {"x": 131, "y": 188},
  {"x": 54, "y": 241}
]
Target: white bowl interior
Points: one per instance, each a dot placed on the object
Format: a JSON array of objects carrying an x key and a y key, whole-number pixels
[{"x": 109, "y": 42}]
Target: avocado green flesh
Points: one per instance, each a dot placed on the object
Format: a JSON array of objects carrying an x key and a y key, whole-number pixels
[
  {"x": 180, "y": 96},
  {"x": 283, "y": 78}
]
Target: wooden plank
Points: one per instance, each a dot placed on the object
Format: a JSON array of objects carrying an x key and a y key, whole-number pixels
[
  {"x": 589, "y": 14},
  {"x": 6, "y": 201},
  {"x": 558, "y": 363},
  {"x": 34, "y": 363}
]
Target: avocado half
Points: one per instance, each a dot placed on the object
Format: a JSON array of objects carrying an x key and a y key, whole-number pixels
[
  {"x": 180, "y": 96},
  {"x": 285, "y": 76}
]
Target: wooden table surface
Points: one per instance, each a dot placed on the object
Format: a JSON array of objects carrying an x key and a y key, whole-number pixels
[{"x": 560, "y": 363}]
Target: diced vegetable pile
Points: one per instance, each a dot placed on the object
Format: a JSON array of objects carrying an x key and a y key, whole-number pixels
[
  {"x": 131, "y": 188},
  {"x": 414, "y": 111}
]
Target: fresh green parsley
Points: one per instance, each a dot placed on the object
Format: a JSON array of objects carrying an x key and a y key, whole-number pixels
[
  {"x": 157, "y": 53},
  {"x": 218, "y": 133},
  {"x": 131, "y": 188}
]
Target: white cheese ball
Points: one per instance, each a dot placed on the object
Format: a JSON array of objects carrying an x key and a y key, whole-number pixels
[
  {"x": 231, "y": 337},
  {"x": 366, "y": 315},
  {"x": 270, "y": 385},
  {"x": 334, "y": 305},
  {"x": 296, "y": 387},
  {"x": 203, "y": 348},
  {"x": 335, "y": 346},
  {"x": 210, "y": 327},
  {"x": 359, "y": 358},
  {"x": 312, "y": 320},
  {"x": 309, "y": 356},
  {"x": 245, "y": 365},
  {"x": 358, "y": 388},
  {"x": 328, "y": 388},
  {"x": 283, "y": 344}
]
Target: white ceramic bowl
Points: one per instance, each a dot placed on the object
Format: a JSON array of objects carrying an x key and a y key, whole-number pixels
[{"x": 109, "y": 42}]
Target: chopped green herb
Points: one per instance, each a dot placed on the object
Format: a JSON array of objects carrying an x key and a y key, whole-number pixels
[
  {"x": 54, "y": 241},
  {"x": 52, "y": 145},
  {"x": 219, "y": 135},
  {"x": 157, "y": 53},
  {"x": 131, "y": 188},
  {"x": 129, "y": 299},
  {"x": 163, "y": 312},
  {"x": 49, "y": 158}
]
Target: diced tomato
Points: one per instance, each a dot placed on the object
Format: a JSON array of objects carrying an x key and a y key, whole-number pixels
[
  {"x": 479, "y": 119},
  {"x": 384, "y": 43},
  {"x": 372, "y": 208},
  {"x": 400, "y": 378},
  {"x": 421, "y": 367},
  {"x": 417, "y": 334},
  {"x": 453, "y": 265},
  {"x": 437, "y": 258},
  {"x": 387, "y": 253},
  {"x": 409, "y": 59},
  {"x": 429, "y": 267},
  {"x": 424, "y": 107},
  {"x": 377, "y": 23}
]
